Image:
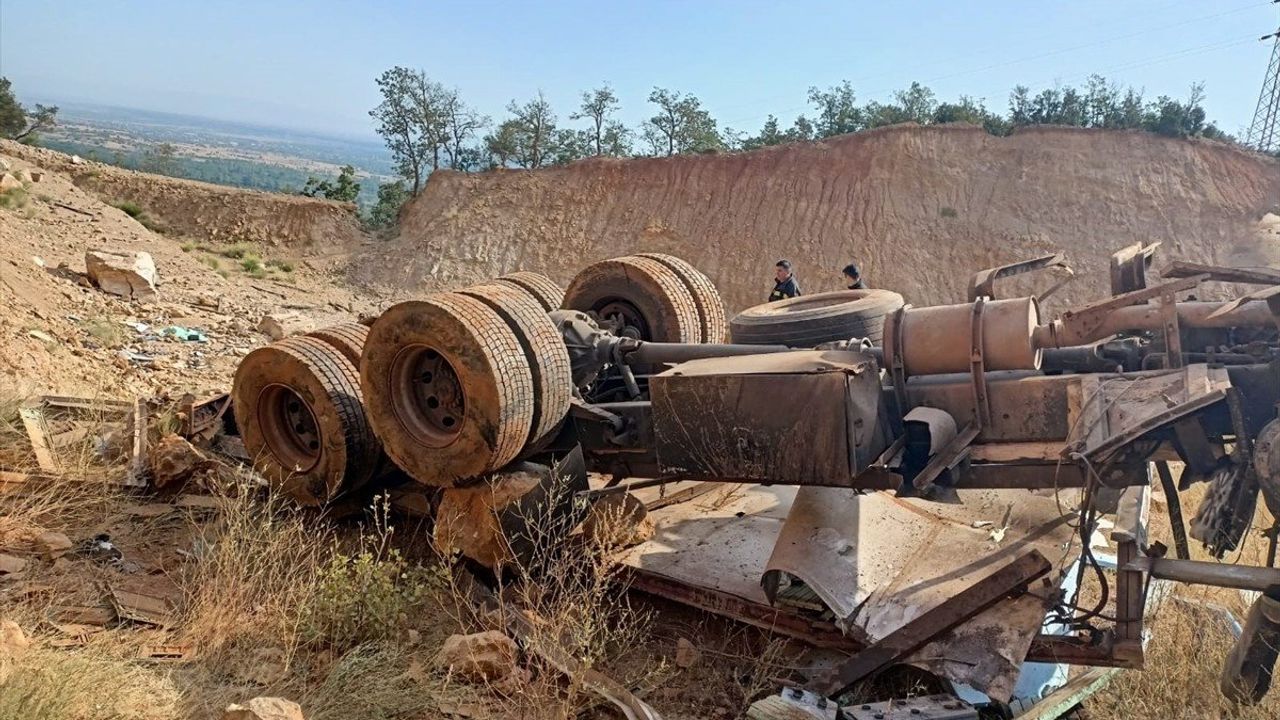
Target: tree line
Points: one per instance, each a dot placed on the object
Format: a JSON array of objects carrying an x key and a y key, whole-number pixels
[{"x": 427, "y": 125}]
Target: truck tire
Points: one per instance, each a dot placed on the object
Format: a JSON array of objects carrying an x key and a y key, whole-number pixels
[
  {"x": 301, "y": 416},
  {"x": 347, "y": 338},
  {"x": 544, "y": 349},
  {"x": 543, "y": 289},
  {"x": 639, "y": 297},
  {"x": 811, "y": 320},
  {"x": 706, "y": 298},
  {"x": 448, "y": 387}
]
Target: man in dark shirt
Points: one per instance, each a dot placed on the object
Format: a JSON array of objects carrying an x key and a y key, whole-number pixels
[
  {"x": 784, "y": 282},
  {"x": 852, "y": 278}
]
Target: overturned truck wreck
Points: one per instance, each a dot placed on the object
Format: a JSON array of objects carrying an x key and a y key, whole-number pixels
[{"x": 914, "y": 487}]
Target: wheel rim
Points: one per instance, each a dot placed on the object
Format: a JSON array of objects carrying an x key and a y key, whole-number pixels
[
  {"x": 289, "y": 428},
  {"x": 427, "y": 396},
  {"x": 622, "y": 319}
]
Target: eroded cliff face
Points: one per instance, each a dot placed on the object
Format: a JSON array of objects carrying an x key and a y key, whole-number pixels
[
  {"x": 213, "y": 213},
  {"x": 919, "y": 209}
]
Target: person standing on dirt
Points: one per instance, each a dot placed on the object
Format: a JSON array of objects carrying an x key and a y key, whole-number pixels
[
  {"x": 784, "y": 282},
  {"x": 853, "y": 278}
]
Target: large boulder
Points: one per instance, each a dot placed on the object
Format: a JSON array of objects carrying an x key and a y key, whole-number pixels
[
  {"x": 480, "y": 657},
  {"x": 9, "y": 182},
  {"x": 264, "y": 708},
  {"x": 130, "y": 275}
]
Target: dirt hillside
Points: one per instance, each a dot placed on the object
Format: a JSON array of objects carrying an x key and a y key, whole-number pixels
[
  {"x": 918, "y": 208},
  {"x": 60, "y": 334},
  {"x": 212, "y": 213}
]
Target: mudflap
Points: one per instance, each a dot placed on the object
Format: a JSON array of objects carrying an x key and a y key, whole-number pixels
[{"x": 537, "y": 525}]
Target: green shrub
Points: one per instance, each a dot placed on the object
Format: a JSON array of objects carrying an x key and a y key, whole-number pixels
[
  {"x": 948, "y": 212},
  {"x": 281, "y": 265},
  {"x": 251, "y": 264},
  {"x": 132, "y": 209},
  {"x": 235, "y": 252},
  {"x": 14, "y": 198}
]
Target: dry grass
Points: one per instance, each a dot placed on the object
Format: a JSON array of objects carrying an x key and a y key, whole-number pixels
[
  {"x": 1188, "y": 643},
  {"x": 52, "y": 684}
]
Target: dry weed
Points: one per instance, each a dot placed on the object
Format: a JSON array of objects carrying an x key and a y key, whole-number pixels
[
  {"x": 87, "y": 684},
  {"x": 256, "y": 571}
]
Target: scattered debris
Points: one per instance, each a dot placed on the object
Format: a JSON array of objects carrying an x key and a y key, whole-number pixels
[
  {"x": 143, "y": 608},
  {"x": 52, "y": 545},
  {"x": 129, "y": 275},
  {"x": 480, "y": 657},
  {"x": 185, "y": 334},
  {"x": 99, "y": 548},
  {"x": 264, "y": 708},
  {"x": 160, "y": 653},
  {"x": 687, "y": 655}
]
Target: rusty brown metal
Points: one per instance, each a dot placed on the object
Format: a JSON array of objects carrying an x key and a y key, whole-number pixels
[
  {"x": 794, "y": 418},
  {"x": 983, "y": 282},
  {"x": 938, "y": 620},
  {"x": 1219, "y": 273},
  {"x": 1129, "y": 267},
  {"x": 936, "y": 340},
  {"x": 1102, "y": 319}
]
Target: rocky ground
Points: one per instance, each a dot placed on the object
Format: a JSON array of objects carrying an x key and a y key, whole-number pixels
[{"x": 59, "y": 331}]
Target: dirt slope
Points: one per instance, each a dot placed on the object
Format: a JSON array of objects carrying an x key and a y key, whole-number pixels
[
  {"x": 59, "y": 334},
  {"x": 213, "y": 213},
  {"x": 918, "y": 208}
]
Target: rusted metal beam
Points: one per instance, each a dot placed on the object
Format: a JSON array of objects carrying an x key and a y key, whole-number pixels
[
  {"x": 983, "y": 282},
  {"x": 814, "y": 632},
  {"x": 932, "y": 623},
  {"x": 1176, "y": 523},
  {"x": 1219, "y": 273},
  {"x": 1071, "y": 650}
]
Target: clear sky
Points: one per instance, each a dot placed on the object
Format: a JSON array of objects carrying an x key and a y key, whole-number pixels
[{"x": 311, "y": 65}]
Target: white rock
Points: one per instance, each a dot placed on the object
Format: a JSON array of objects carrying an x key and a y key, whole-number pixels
[
  {"x": 77, "y": 160},
  {"x": 264, "y": 708},
  {"x": 5, "y": 165},
  {"x": 23, "y": 175},
  {"x": 279, "y": 325},
  {"x": 9, "y": 182},
  {"x": 129, "y": 275}
]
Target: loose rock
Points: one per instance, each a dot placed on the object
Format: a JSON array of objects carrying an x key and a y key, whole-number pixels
[
  {"x": 618, "y": 520},
  {"x": 129, "y": 275},
  {"x": 264, "y": 708},
  {"x": 52, "y": 545},
  {"x": 174, "y": 460},
  {"x": 23, "y": 175},
  {"x": 687, "y": 655},
  {"x": 9, "y": 182},
  {"x": 13, "y": 643},
  {"x": 279, "y": 325},
  {"x": 480, "y": 657},
  {"x": 11, "y": 564}
]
